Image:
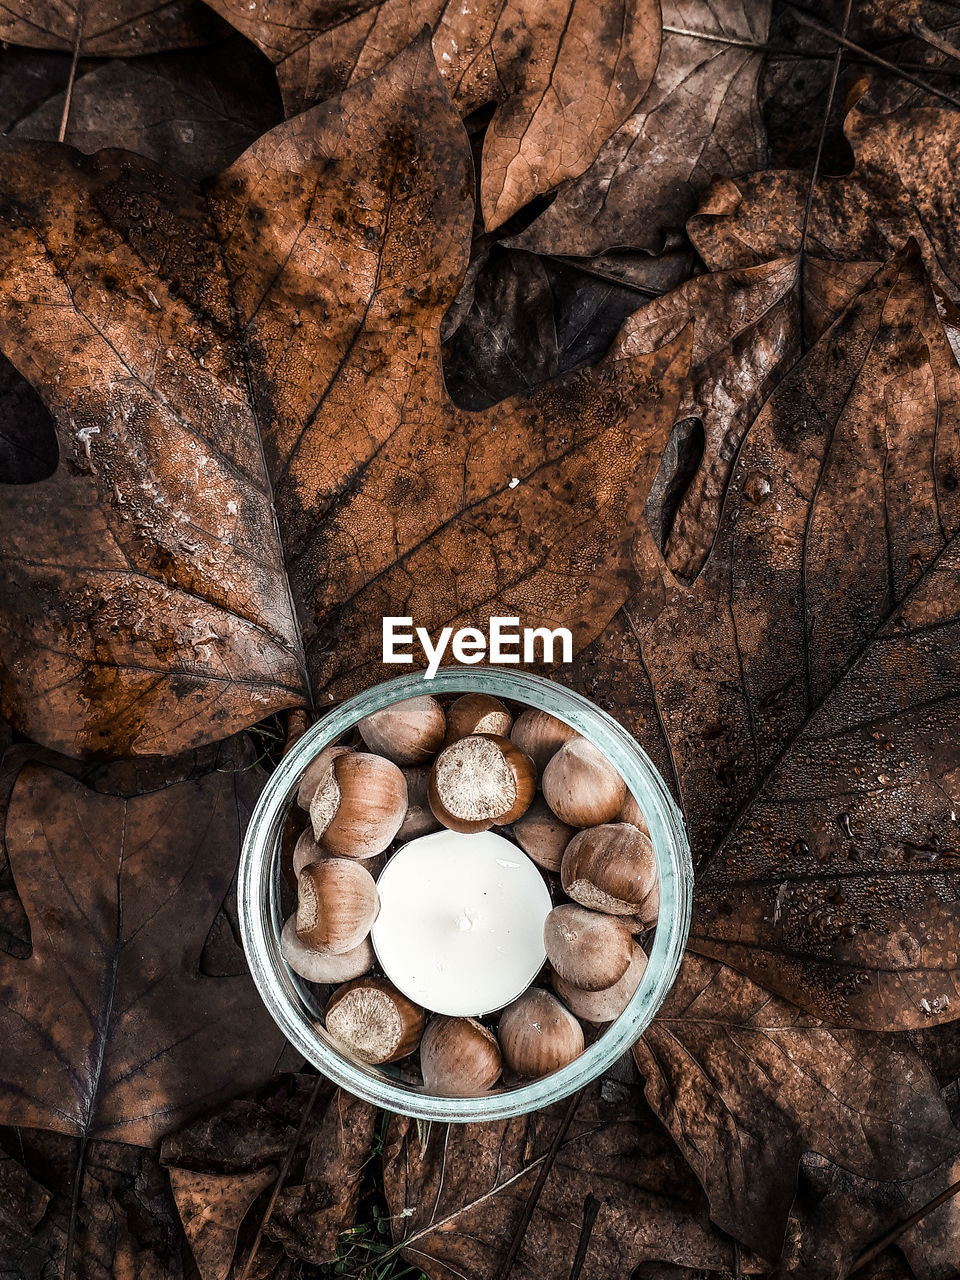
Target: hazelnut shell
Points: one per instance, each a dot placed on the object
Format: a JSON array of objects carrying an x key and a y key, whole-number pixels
[
  {"x": 359, "y": 805},
  {"x": 314, "y": 773},
  {"x": 610, "y": 868},
  {"x": 542, "y": 836},
  {"x": 588, "y": 949},
  {"x": 408, "y": 732},
  {"x": 539, "y": 734},
  {"x": 480, "y": 781},
  {"x": 337, "y": 902},
  {"x": 610, "y": 1002},
  {"x": 477, "y": 713},
  {"x": 317, "y": 966},
  {"x": 538, "y": 1034},
  {"x": 373, "y": 1020},
  {"x": 581, "y": 786},
  {"x": 459, "y": 1057}
]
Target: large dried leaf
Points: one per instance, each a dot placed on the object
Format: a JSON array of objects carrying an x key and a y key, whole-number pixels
[
  {"x": 283, "y": 318},
  {"x": 225, "y": 1156},
  {"x": 699, "y": 119},
  {"x": 461, "y": 1193},
  {"x": 193, "y": 112},
  {"x": 901, "y": 188},
  {"x": 109, "y": 1027},
  {"x": 801, "y": 696},
  {"x": 565, "y": 75},
  {"x": 747, "y": 1084},
  {"x": 828, "y": 1195},
  {"x": 107, "y": 28}
]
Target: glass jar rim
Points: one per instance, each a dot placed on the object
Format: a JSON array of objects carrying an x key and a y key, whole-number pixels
[{"x": 260, "y": 917}]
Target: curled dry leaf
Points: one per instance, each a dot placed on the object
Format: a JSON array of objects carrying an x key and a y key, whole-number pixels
[
  {"x": 194, "y": 112},
  {"x": 233, "y": 1148},
  {"x": 108, "y": 28},
  {"x": 747, "y": 1084},
  {"x": 698, "y": 119},
  {"x": 802, "y": 694},
  {"x": 901, "y": 187},
  {"x": 110, "y": 1028},
  {"x": 271, "y": 326},
  {"x": 463, "y": 1190},
  {"x": 828, "y": 1194},
  {"x": 564, "y": 75}
]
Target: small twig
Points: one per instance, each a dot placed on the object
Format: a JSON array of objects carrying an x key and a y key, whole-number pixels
[
  {"x": 591, "y": 1207},
  {"x": 808, "y": 207},
  {"x": 74, "y": 1205},
  {"x": 920, "y": 29},
  {"x": 68, "y": 98},
  {"x": 876, "y": 1249},
  {"x": 516, "y": 1240},
  {"x": 872, "y": 57},
  {"x": 281, "y": 1179}
]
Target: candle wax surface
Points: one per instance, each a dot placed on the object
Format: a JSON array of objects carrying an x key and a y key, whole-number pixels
[{"x": 460, "y": 929}]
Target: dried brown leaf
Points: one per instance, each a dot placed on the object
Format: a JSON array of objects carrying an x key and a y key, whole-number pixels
[
  {"x": 901, "y": 187},
  {"x": 747, "y": 1084},
  {"x": 564, "y": 76},
  {"x": 23, "y": 1202},
  {"x": 698, "y": 119},
  {"x": 212, "y": 1207},
  {"x": 110, "y": 1030},
  {"x": 190, "y": 340},
  {"x": 109, "y": 27},
  {"x": 828, "y": 1194},
  {"x": 801, "y": 695},
  {"x": 462, "y": 1192},
  {"x": 193, "y": 112}
]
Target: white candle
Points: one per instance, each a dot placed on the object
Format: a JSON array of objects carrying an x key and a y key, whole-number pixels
[{"x": 460, "y": 929}]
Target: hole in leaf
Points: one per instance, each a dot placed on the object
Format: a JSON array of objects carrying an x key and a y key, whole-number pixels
[
  {"x": 28, "y": 438},
  {"x": 680, "y": 462}
]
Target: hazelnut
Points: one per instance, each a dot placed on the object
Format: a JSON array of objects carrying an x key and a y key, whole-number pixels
[
  {"x": 542, "y": 836},
  {"x": 479, "y": 781},
  {"x": 645, "y": 916},
  {"x": 419, "y": 819},
  {"x": 359, "y": 805},
  {"x": 587, "y": 949},
  {"x": 581, "y": 786},
  {"x": 317, "y": 966},
  {"x": 611, "y": 868},
  {"x": 307, "y": 850},
  {"x": 408, "y": 732},
  {"x": 539, "y": 735},
  {"x": 459, "y": 1057},
  {"x": 314, "y": 773},
  {"x": 337, "y": 902},
  {"x": 538, "y": 1035},
  {"x": 631, "y": 813},
  {"x": 477, "y": 713},
  {"x": 374, "y": 1021},
  {"x": 607, "y": 1004}
]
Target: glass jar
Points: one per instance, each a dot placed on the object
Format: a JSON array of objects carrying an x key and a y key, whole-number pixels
[{"x": 290, "y": 1000}]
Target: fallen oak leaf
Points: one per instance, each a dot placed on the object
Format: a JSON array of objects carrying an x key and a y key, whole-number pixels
[
  {"x": 107, "y": 28},
  {"x": 110, "y": 1030},
  {"x": 564, "y": 76},
  {"x": 455, "y": 1196},
  {"x": 800, "y": 694},
  {"x": 299, "y": 324},
  {"x": 698, "y": 119},
  {"x": 747, "y": 1084},
  {"x": 900, "y": 188}
]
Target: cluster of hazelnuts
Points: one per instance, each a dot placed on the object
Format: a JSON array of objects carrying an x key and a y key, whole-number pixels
[{"x": 415, "y": 767}]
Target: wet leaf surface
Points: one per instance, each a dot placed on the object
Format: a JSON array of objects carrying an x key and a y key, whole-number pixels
[
  {"x": 564, "y": 75},
  {"x": 900, "y": 189},
  {"x": 209, "y": 357},
  {"x": 698, "y": 119},
  {"x": 110, "y": 1028},
  {"x": 747, "y": 1084}
]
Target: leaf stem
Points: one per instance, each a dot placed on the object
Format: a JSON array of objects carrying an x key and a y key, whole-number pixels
[
  {"x": 68, "y": 97},
  {"x": 876, "y": 1249},
  {"x": 74, "y": 1206}
]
